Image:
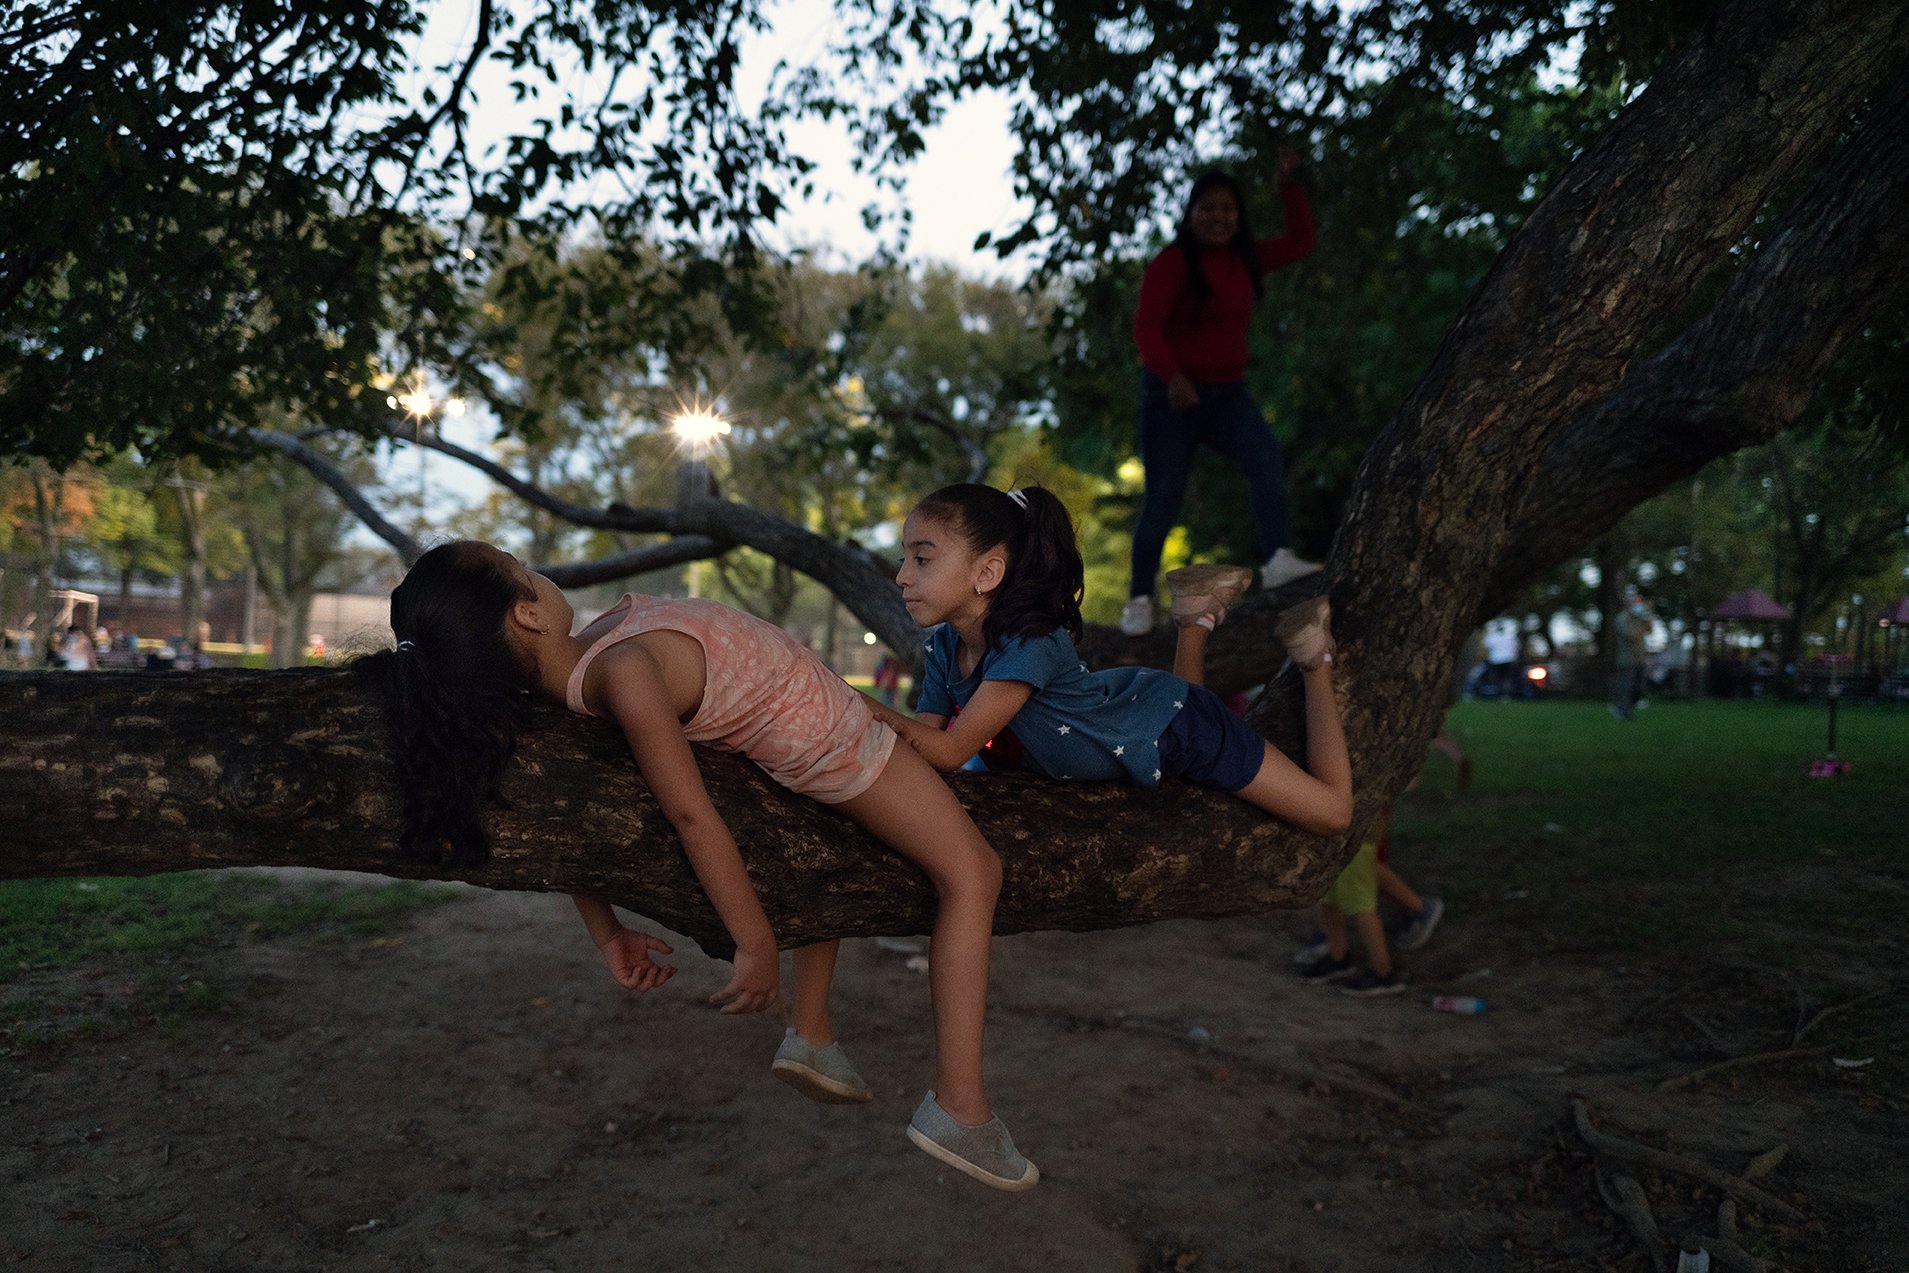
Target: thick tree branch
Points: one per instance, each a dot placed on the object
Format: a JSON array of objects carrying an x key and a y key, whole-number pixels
[
  {"x": 248, "y": 789},
  {"x": 1746, "y": 371}
]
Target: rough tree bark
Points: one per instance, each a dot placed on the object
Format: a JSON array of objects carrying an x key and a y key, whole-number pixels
[
  {"x": 127, "y": 773},
  {"x": 1576, "y": 382}
]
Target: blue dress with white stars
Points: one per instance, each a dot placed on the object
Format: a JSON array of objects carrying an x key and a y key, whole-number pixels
[{"x": 1077, "y": 724}]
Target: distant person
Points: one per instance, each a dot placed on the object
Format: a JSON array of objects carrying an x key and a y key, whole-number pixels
[
  {"x": 477, "y": 633},
  {"x": 1196, "y": 302},
  {"x": 122, "y": 651},
  {"x": 77, "y": 652},
  {"x": 888, "y": 678},
  {"x": 1502, "y": 644},
  {"x": 1631, "y": 629},
  {"x": 1354, "y": 899}
]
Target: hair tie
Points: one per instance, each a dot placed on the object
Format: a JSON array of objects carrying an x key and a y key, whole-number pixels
[
  {"x": 406, "y": 645},
  {"x": 1020, "y": 498}
]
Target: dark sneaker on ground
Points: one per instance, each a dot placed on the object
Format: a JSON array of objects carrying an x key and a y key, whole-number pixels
[
  {"x": 1368, "y": 984},
  {"x": 1419, "y": 931},
  {"x": 1326, "y": 968}
]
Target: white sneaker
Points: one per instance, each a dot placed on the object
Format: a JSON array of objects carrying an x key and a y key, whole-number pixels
[
  {"x": 1137, "y": 618},
  {"x": 1285, "y": 566}
]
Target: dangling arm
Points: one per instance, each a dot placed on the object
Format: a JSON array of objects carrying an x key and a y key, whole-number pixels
[{"x": 626, "y": 685}]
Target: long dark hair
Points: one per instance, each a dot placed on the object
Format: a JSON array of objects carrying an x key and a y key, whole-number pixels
[
  {"x": 1243, "y": 245},
  {"x": 454, "y": 695},
  {"x": 1042, "y": 588}
]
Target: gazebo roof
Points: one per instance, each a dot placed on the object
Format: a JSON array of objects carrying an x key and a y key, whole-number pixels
[{"x": 1751, "y": 603}]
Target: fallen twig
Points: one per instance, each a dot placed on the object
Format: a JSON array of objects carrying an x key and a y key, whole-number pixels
[
  {"x": 1631, "y": 1151},
  {"x": 1755, "y": 1058},
  {"x": 1622, "y": 1194},
  {"x": 1716, "y": 1040},
  {"x": 1831, "y": 1011}
]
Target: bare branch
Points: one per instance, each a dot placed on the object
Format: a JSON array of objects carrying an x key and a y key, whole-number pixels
[
  {"x": 638, "y": 561},
  {"x": 346, "y": 490}
]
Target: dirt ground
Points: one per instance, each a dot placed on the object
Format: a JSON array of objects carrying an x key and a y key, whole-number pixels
[{"x": 470, "y": 1090}]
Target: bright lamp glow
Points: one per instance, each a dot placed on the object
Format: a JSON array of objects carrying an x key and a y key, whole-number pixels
[
  {"x": 1537, "y": 674},
  {"x": 699, "y": 428}
]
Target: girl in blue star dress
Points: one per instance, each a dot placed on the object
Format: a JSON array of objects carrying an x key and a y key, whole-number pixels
[{"x": 996, "y": 579}]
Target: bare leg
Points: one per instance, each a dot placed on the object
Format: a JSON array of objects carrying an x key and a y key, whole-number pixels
[
  {"x": 912, "y": 811},
  {"x": 1319, "y": 801},
  {"x": 1332, "y": 921},
  {"x": 1189, "y": 653},
  {"x": 1395, "y": 887},
  {"x": 809, "y": 995},
  {"x": 1372, "y": 939},
  {"x": 1455, "y": 750}
]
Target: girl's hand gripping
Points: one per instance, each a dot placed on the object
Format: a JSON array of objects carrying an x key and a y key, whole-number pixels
[
  {"x": 757, "y": 983},
  {"x": 627, "y": 952}
]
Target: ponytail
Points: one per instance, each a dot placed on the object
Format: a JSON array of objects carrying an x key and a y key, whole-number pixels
[
  {"x": 1045, "y": 575},
  {"x": 453, "y": 694}
]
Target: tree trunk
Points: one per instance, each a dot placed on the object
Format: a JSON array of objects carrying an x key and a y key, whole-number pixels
[
  {"x": 192, "y": 583},
  {"x": 49, "y": 496},
  {"x": 204, "y": 771}
]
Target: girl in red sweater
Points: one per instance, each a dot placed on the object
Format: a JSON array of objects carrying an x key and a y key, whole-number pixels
[{"x": 1196, "y": 300}]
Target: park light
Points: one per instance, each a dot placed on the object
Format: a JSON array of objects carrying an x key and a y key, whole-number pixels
[
  {"x": 1536, "y": 674},
  {"x": 868, "y": 638},
  {"x": 699, "y": 428},
  {"x": 415, "y": 403},
  {"x": 418, "y": 405}
]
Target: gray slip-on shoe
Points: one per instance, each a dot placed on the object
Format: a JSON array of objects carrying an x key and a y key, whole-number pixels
[
  {"x": 986, "y": 1152},
  {"x": 821, "y": 1074}
]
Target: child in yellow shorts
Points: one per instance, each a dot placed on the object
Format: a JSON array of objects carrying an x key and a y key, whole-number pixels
[{"x": 1355, "y": 896}]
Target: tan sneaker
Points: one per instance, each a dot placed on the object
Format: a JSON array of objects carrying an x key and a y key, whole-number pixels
[
  {"x": 1306, "y": 632},
  {"x": 1205, "y": 592}
]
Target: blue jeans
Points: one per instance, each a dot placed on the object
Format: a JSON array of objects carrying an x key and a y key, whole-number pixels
[{"x": 1227, "y": 420}]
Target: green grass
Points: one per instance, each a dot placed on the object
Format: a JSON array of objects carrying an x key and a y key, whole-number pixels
[
  {"x": 1583, "y": 832},
  {"x": 49, "y": 924},
  {"x": 1682, "y": 789}
]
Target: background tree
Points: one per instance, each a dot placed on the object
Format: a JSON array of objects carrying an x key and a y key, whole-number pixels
[
  {"x": 295, "y": 533},
  {"x": 45, "y": 509},
  {"x": 123, "y": 534}
]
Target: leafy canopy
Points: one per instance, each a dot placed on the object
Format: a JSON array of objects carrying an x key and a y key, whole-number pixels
[{"x": 217, "y": 205}]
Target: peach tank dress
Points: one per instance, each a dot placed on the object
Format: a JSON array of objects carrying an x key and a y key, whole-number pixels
[{"x": 764, "y": 695}]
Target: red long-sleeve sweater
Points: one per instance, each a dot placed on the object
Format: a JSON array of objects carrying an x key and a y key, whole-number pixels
[{"x": 1211, "y": 347}]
